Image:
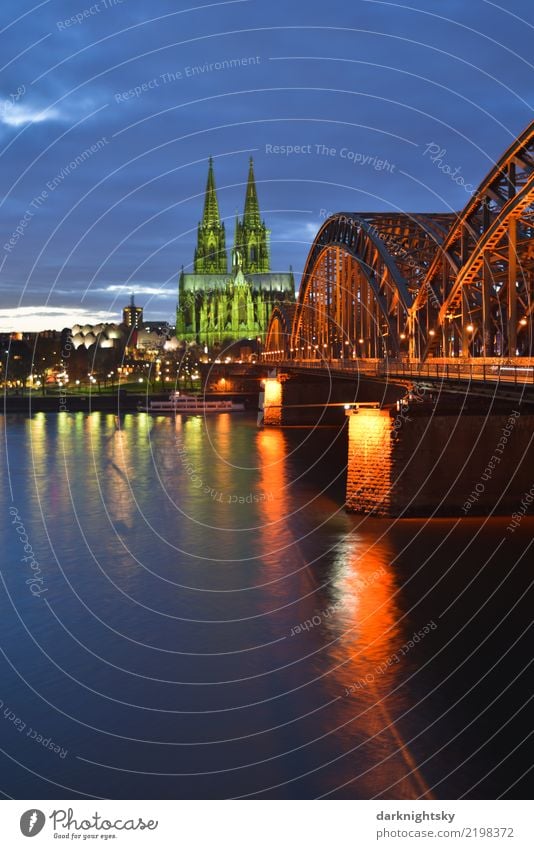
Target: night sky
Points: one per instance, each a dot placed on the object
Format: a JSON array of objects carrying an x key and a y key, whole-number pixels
[{"x": 363, "y": 87}]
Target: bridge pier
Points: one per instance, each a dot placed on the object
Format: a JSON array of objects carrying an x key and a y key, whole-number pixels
[
  {"x": 308, "y": 400},
  {"x": 419, "y": 461}
]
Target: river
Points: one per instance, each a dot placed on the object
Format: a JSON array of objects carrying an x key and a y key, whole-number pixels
[{"x": 189, "y": 612}]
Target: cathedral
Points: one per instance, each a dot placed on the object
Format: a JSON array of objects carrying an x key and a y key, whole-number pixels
[{"x": 217, "y": 306}]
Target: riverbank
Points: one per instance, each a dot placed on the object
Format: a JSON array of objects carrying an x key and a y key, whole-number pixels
[{"x": 109, "y": 403}]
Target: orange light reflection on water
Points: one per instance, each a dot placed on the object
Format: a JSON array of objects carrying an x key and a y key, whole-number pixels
[
  {"x": 369, "y": 671},
  {"x": 289, "y": 577}
]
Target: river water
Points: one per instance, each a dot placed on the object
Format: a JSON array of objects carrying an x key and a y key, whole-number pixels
[{"x": 196, "y": 616}]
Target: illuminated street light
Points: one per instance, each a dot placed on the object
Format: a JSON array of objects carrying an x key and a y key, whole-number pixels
[{"x": 470, "y": 328}]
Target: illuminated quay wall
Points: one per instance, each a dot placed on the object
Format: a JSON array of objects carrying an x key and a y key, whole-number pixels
[{"x": 420, "y": 463}]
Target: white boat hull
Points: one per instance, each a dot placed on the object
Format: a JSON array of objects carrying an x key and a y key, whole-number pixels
[{"x": 184, "y": 405}]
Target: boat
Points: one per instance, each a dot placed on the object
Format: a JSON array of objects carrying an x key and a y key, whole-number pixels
[{"x": 179, "y": 402}]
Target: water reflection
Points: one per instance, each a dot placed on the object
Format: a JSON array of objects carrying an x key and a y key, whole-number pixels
[
  {"x": 120, "y": 461},
  {"x": 291, "y": 582},
  {"x": 214, "y": 593},
  {"x": 367, "y": 635}
]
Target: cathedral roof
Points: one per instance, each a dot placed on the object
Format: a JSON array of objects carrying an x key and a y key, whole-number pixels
[
  {"x": 283, "y": 281},
  {"x": 266, "y": 282}
]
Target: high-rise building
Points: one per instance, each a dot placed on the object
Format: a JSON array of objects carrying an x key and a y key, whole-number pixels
[
  {"x": 132, "y": 316},
  {"x": 217, "y": 306}
]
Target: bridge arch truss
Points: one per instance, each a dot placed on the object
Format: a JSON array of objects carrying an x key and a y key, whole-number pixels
[{"x": 420, "y": 285}]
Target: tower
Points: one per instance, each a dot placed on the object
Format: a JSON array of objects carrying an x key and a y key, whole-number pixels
[
  {"x": 251, "y": 242},
  {"x": 132, "y": 316},
  {"x": 210, "y": 253}
]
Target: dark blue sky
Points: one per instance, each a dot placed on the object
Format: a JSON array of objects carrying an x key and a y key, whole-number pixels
[{"x": 372, "y": 82}]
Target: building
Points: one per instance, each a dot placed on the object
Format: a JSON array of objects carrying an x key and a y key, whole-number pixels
[
  {"x": 158, "y": 327},
  {"x": 217, "y": 306},
  {"x": 102, "y": 335},
  {"x": 132, "y": 316}
]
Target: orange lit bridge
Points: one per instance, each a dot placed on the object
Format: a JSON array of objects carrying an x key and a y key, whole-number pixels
[
  {"x": 447, "y": 297},
  {"x": 436, "y": 308}
]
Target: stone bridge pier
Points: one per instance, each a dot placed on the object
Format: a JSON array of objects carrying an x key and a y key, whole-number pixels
[{"x": 419, "y": 460}]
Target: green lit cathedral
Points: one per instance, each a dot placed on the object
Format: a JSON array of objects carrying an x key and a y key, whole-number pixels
[{"x": 217, "y": 306}]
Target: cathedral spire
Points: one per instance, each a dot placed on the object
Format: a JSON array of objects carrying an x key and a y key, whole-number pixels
[
  {"x": 210, "y": 253},
  {"x": 237, "y": 241},
  {"x": 252, "y": 235},
  {"x": 251, "y": 215},
  {"x": 211, "y": 206}
]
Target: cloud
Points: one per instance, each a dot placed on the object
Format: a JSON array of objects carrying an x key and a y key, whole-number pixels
[
  {"x": 17, "y": 114},
  {"x": 37, "y": 318},
  {"x": 139, "y": 289}
]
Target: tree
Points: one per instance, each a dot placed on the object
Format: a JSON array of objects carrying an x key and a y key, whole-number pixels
[{"x": 18, "y": 362}]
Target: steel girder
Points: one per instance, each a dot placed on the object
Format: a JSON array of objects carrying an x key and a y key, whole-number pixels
[
  {"x": 278, "y": 339},
  {"x": 370, "y": 265},
  {"x": 477, "y": 294},
  {"x": 449, "y": 284}
]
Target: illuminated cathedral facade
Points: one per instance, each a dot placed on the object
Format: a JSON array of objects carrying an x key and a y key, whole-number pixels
[{"x": 217, "y": 306}]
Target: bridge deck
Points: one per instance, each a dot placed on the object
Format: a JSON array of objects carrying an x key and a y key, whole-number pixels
[{"x": 485, "y": 378}]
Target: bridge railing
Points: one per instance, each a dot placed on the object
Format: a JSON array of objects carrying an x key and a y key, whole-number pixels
[
  {"x": 495, "y": 373},
  {"x": 485, "y": 372}
]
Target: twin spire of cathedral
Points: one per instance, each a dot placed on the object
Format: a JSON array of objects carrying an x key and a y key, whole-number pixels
[{"x": 251, "y": 239}]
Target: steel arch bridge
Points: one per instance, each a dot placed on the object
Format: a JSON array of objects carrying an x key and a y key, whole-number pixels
[
  {"x": 280, "y": 328},
  {"x": 418, "y": 285}
]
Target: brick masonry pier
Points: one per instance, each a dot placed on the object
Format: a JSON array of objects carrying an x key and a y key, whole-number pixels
[{"x": 418, "y": 462}]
